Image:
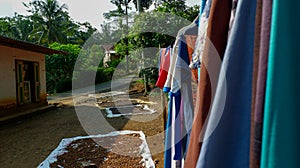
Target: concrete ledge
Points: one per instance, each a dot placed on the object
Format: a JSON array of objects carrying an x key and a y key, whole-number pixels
[
  {"x": 7, "y": 106},
  {"x": 27, "y": 112}
]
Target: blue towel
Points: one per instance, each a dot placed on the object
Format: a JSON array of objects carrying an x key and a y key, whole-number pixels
[{"x": 227, "y": 137}]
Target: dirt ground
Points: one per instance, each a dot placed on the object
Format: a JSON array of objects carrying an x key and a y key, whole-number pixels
[{"x": 26, "y": 142}]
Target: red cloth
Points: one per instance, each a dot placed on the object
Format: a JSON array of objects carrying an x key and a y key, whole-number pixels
[{"x": 164, "y": 67}]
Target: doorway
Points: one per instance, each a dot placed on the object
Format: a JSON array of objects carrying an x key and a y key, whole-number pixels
[{"x": 28, "y": 82}]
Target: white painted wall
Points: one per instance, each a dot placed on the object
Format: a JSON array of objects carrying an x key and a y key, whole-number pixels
[{"x": 8, "y": 56}]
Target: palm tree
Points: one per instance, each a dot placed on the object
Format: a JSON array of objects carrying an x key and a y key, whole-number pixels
[{"x": 50, "y": 19}]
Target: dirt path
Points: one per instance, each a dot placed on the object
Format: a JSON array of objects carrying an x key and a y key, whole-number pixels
[{"x": 27, "y": 141}]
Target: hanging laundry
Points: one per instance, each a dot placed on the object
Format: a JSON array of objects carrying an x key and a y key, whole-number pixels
[
  {"x": 169, "y": 138},
  {"x": 280, "y": 140},
  {"x": 216, "y": 41},
  {"x": 173, "y": 112},
  {"x": 198, "y": 51},
  {"x": 169, "y": 162},
  {"x": 251, "y": 119},
  {"x": 257, "y": 111},
  {"x": 167, "y": 86},
  {"x": 227, "y": 137},
  {"x": 164, "y": 67},
  {"x": 179, "y": 84}
]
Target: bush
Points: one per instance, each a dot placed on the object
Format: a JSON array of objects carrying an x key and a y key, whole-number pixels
[
  {"x": 50, "y": 85},
  {"x": 100, "y": 76},
  {"x": 109, "y": 72},
  {"x": 64, "y": 85},
  {"x": 114, "y": 63},
  {"x": 104, "y": 74},
  {"x": 85, "y": 79}
]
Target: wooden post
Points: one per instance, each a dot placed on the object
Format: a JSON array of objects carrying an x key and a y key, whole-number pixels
[
  {"x": 144, "y": 75},
  {"x": 127, "y": 43},
  {"x": 164, "y": 107}
]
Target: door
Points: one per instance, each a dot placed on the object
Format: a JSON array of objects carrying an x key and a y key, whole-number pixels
[
  {"x": 37, "y": 84},
  {"x": 20, "y": 81}
]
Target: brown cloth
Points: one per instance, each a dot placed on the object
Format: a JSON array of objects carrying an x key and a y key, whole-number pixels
[
  {"x": 255, "y": 72},
  {"x": 217, "y": 32}
]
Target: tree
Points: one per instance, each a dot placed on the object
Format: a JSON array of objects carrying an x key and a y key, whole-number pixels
[
  {"x": 78, "y": 33},
  {"x": 50, "y": 18},
  {"x": 37, "y": 29},
  {"x": 17, "y": 27},
  {"x": 123, "y": 5},
  {"x": 145, "y": 4},
  {"x": 179, "y": 8},
  {"x": 5, "y": 28},
  {"x": 52, "y": 23},
  {"x": 150, "y": 29},
  {"x": 110, "y": 33},
  {"x": 169, "y": 17}
]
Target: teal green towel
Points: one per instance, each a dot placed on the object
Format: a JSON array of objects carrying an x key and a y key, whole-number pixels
[{"x": 281, "y": 128}]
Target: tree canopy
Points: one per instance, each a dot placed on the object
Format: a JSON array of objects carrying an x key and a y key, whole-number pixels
[{"x": 47, "y": 22}]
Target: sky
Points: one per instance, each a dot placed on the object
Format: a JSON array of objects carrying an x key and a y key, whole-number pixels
[{"x": 81, "y": 11}]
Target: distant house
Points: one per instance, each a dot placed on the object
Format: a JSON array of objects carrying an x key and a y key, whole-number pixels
[
  {"x": 23, "y": 76},
  {"x": 110, "y": 54}
]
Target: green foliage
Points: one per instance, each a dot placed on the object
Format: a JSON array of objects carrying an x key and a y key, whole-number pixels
[
  {"x": 179, "y": 8},
  {"x": 93, "y": 58},
  {"x": 90, "y": 69},
  {"x": 60, "y": 67},
  {"x": 50, "y": 18},
  {"x": 110, "y": 32},
  {"x": 174, "y": 7},
  {"x": 120, "y": 11},
  {"x": 123, "y": 6},
  {"x": 160, "y": 29},
  {"x": 109, "y": 72},
  {"x": 191, "y": 13},
  {"x": 64, "y": 85},
  {"x": 157, "y": 28},
  {"x": 17, "y": 27},
  {"x": 150, "y": 73},
  {"x": 100, "y": 75},
  {"x": 114, "y": 63},
  {"x": 78, "y": 33},
  {"x": 145, "y": 4},
  {"x": 122, "y": 47},
  {"x": 104, "y": 74}
]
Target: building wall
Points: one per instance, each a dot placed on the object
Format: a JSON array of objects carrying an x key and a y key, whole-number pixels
[
  {"x": 8, "y": 57},
  {"x": 109, "y": 56}
]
